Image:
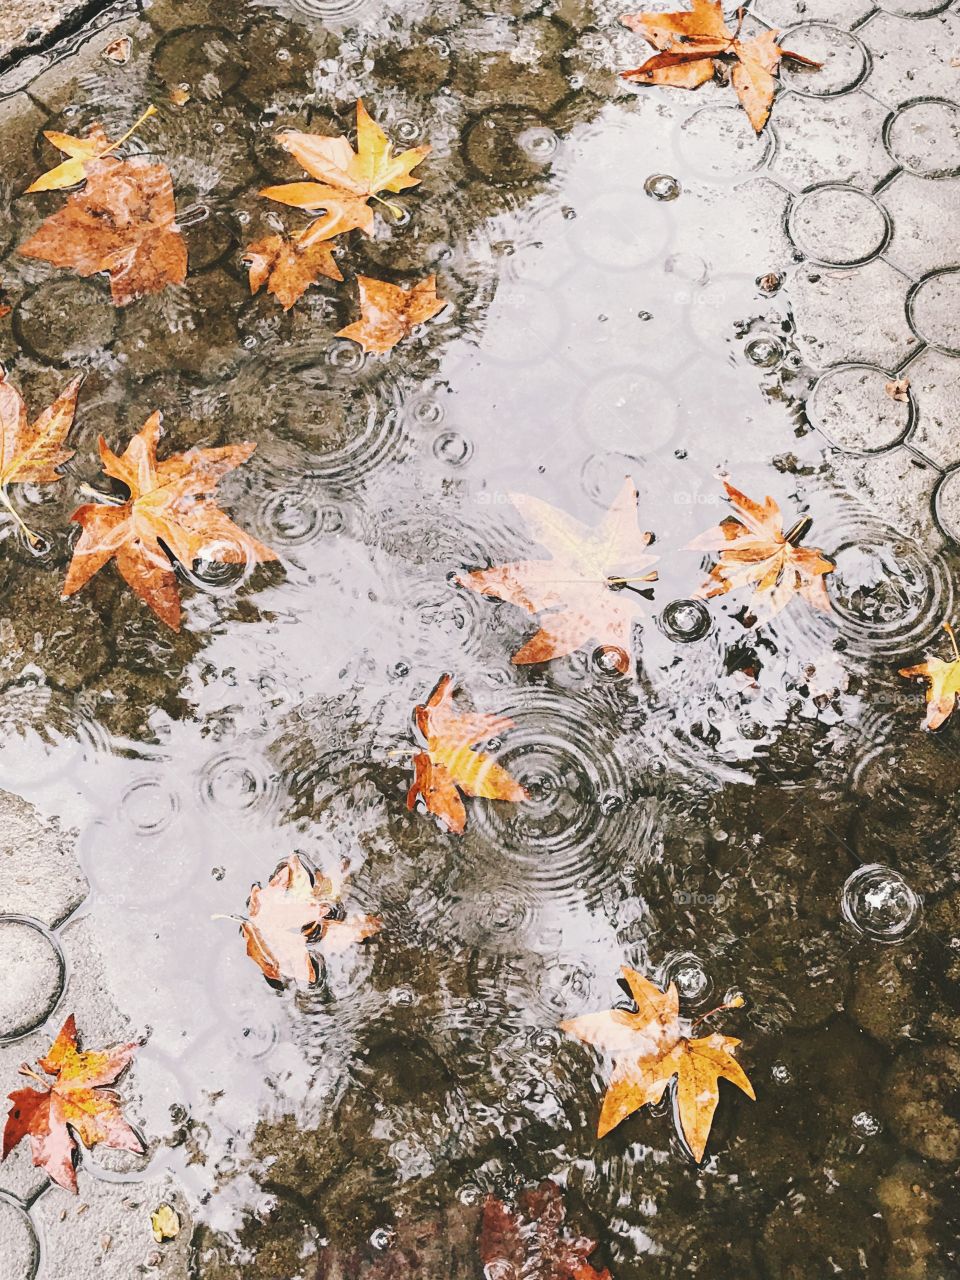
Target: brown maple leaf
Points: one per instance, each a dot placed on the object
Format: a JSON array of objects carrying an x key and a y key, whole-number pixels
[
  {"x": 533, "y": 1240},
  {"x": 650, "y": 1047},
  {"x": 75, "y": 1099},
  {"x": 348, "y": 179},
  {"x": 690, "y": 44},
  {"x": 295, "y": 911},
  {"x": 31, "y": 454},
  {"x": 388, "y": 312},
  {"x": 168, "y": 516},
  {"x": 123, "y": 222},
  {"x": 448, "y": 761},
  {"x": 289, "y": 267},
  {"x": 944, "y": 686},
  {"x": 581, "y": 590},
  {"x": 898, "y": 389},
  {"x": 754, "y": 551}
]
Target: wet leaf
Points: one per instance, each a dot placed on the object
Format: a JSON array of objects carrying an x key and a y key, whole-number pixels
[
  {"x": 689, "y": 43},
  {"x": 123, "y": 223},
  {"x": 31, "y": 454},
  {"x": 82, "y": 152},
  {"x": 898, "y": 389},
  {"x": 75, "y": 1100},
  {"x": 119, "y": 50},
  {"x": 295, "y": 911},
  {"x": 448, "y": 762},
  {"x": 165, "y": 1223},
  {"x": 169, "y": 504},
  {"x": 650, "y": 1048},
  {"x": 347, "y": 179},
  {"x": 586, "y": 589},
  {"x": 533, "y": 1240},
  {"x": 754, "y": 551},
  {"x": 388, "y": 313},
  {"x": 944, "y": 683},
  {"x": 289, "y": 267}
]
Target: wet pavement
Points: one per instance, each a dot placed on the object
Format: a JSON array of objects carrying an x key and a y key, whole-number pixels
[{"x": 637, "y": 285}]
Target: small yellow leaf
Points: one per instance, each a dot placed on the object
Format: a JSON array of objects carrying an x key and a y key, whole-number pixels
[{"x": 165, "y": 1222}]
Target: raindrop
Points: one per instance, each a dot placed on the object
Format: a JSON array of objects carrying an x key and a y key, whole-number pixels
[
  {"x": 878, "y": 902},
  {"x": 764, "y": 351},
  {"x": 611, "y": 660},
  {"x": 346, "y": 356},
  {"x": 687, "y": 971},
  {"x": 399, "y": 671},
  {"x": 402, "y": 996},
  {"x": 661, "y": 186},
  {"x": 381, "y": 1238},
  {"x": 218, "y": 872},
  {"x": 644, "y": 315},
  {"x": 781, "y": 1073},
  {"x": 538, "y": 142},
  {"x": 685, "y": 620},
  {"x": 568, "y": 212},
  {"x": 609, "y": 803}
]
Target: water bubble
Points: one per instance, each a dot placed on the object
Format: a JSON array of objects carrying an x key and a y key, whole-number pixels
[
  {"x": 407, "y": 130},
  {"x": 218, "y": 872},
  {"x": 611, "y": 660},
  {"x": 381, "y": 1238},
  {"x": 685, "y": 620},
  {"x": 538, "y": 142},
  {"x": 688, "y": 972},
  {"x": 402, "y": 997},
  {"x": 644, "y": 315},
  {"x": 661, "y": 186},
  {"x": 764, "y": 351},
  {"x": 452, "y": 448},
  {"x": 609, "y": 803},
  {"x": 781, "y": 1073},
  {"x": 346, "y": 356},
  {"x": 399, "y": 671},
  {"x": 568, "y": 212},
  {"x": 878, "y": 902},
  {"x": 469, "y": 1194},
  {"x": 865, "y": 1125}
]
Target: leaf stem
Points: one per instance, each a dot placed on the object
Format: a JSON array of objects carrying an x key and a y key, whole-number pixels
[
  {"x": 27, "y": 1071},
  {"x": 953, "y": 639},
  {"x": 150, "y": 111},
  {"x": 395, "y": 209},
  {"x": 28, "y": 533},
  {"x": 736, "y": 1003}
]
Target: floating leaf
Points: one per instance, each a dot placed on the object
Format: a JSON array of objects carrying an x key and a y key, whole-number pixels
[
  {"x": 31, "y": 454},
  {"x": 944, "y": 686},
  {"x": 388, "y": 313},
  {"x": 289, "y": 267},
  {"x": 82, "y": 151}
]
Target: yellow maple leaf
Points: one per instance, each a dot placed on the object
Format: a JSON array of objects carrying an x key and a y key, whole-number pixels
[
  {"x": 944, "y": 684},
  {"x": 81, "y": 152}
]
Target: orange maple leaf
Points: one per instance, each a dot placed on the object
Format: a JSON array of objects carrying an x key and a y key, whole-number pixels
[
  {"x": 123, "y": 222},
  {"x": 754, "y": 551},
  {"x": 650, "y": 1047},
  {"x": 76, "y": 1099},
  {"x": 31, "y": 454},
  {"x": 388, "y": 312},
  {"x": 944, "y": 683},
  {"x": 448, "y": 761},
  {"x": 289, "y": 267},
  {"x": 169, "y": 513},
  {"x": 347, "y": 179},
  {"x": 689, "y": 44},
  {"x": 295, "y": 911},
  {"x": 581, "y": 588}
]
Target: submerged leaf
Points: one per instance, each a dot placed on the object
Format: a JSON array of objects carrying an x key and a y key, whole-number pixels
[
  {"x": 448, "y": 761},
  {"x": 165, "y": 1223},
  {"x": 533, "y": 1239},
  {"x": 944, "y": 683},
  {"x": 32, "y": 454},
  {"x": 583, "y": 590},
  {"x": 388, "y": 313},
  {"x": 76, "y": 1100}
]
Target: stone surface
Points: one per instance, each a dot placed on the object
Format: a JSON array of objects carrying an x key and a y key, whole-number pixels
[
  {"x": 857, "y": 315},
  {"x": 32, "y": 971},
  {"x": 853, "y": 410},
  {"x": 838, "y": 226},
  {"x": 27, "y": 22},
  {"x": 935, "y": 391},
  {"x": 20, "y": 1251},
  {"x": 934, "y": 311},
  {"x": 39, "y": 874},
  {"x": 925, "y": 221}
]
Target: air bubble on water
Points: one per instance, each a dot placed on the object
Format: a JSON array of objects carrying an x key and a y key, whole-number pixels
[
  {"x": 609, "y": 803},
  {"x": 402, "y": 997},
  {"x": 781, "y": 1073},
  {"x": 878, "y": 903},
  {"x": 644, "y": 315},
  {"x": 568, "y": 212},
  {"x": 661, "y": 186},
  {"x": 611, "y": 660},
  {"x": 452, "y": 448},
  {"x": 381, "y": 1238},
  {"x": 399, "y": 671},
  {"x": 764, "y": 351},
  {"x": 469, "y": 1194},
  {"x": 685, "y": 620},
  {"x": 218, "y": 872},
  {"x": 865, "y": 1125}
]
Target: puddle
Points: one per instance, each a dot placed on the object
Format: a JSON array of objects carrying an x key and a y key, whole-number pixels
[{"x": 700, "y": 816}]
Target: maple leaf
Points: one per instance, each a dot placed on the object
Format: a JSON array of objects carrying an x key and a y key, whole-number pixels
[
  {"x": 82, "y": 152},
  {"x": 289, "y": 267},
  {"x": 296, "y": 910},
  {"x": 581, "y": 588},
  {"x": 75, "y": 1099},
  {"x": 754, "y": 551},
  {"x": 944, "y": 686},
  {"x": 448, "y": 761},
  {"x": 689, "y": 44},
  {"x": 348, "y": 179},
  {"x": 650, "y": 1048},
  {"x": 31, "y": 454},
  {"x": 122, "y": 222},
  {"x": 388, "y": 312},
  {"x": 533, "y": 1239},
  {"x": 168, "y": 516}
]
